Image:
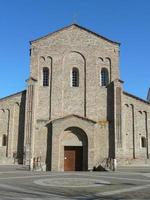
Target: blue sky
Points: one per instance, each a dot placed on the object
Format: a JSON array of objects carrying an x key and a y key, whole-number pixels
[{"x": 126, "y": 21}]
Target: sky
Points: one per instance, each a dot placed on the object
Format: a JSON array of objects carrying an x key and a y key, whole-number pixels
[{"x": 125, "y": 21}]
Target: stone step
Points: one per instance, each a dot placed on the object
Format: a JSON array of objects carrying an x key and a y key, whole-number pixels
[
  {"x": 6, "y": 161},
  {"x": 136, "y": 162}
]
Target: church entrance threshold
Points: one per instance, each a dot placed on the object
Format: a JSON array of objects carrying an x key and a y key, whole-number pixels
[{"x": 73, "y": 158}]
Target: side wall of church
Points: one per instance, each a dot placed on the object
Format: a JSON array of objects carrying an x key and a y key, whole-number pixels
[
  {"x": 135, "y": 128},
  {"x": 12, "y": 116}
]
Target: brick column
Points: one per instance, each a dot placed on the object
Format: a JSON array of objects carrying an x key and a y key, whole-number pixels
[
  {"x": 29, "y": 117},
  {"x": 114, "y": 114},
  {"x": 118, "y": 113}
]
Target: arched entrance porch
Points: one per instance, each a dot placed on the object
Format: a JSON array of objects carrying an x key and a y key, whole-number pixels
[
  {"x": 78, "y": 135},
  {"x": 73, "y": 150}
]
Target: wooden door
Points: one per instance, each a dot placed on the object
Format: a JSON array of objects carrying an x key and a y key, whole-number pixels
[
  {"x": 73, "y": 157},
  {"x": 69, "y": 159}
]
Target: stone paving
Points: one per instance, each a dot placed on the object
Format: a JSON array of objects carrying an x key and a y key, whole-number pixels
[{"x": 127, "y": 183}]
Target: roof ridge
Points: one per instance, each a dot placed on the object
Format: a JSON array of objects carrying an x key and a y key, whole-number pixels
[
  {"x": 11, "y": 95},
  {"x": 137, "y": 98},
  {"x": 79, "y": 26}
]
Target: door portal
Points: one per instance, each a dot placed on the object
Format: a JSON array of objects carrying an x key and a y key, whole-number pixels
[{"x": 73, "y": 158}]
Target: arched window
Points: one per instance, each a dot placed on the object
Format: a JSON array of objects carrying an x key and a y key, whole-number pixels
[
  {"x": 143, "y": 142},
  {"x": 75, "y": 77},
  {"x": 45, "y": 76},
  {"x": 104, "y": 78},
  {"x": 4, "y": 140}
]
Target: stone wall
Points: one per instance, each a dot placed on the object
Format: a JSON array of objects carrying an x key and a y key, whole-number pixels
[
  {"x": 12, "y": 116},
  {"x": 135, "y": 125},
  {"x": 60, "y": 52}
]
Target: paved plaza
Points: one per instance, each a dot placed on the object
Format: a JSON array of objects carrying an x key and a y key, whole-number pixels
[{"x": 18, "y": 183}]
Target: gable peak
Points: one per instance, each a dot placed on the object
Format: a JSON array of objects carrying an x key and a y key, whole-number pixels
[{"x": 77, "y": 26}]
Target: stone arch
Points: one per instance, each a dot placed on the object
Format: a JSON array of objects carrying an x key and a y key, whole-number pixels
[
  {"x": 101, "y": 59},
  {"x": 76, "y": 138},
  {"x": 42, "y": 59},
  {"x": 55, "y": 148},
  {"x": 41, "y": 65},
  {"x": 2, "y": 110},
  {"x": 108, "y": 61},
  {"x": 49, "y": 58},
  {"x": 103, "y": 63},
  {"x": 141, "y": 128},
  {"x": 126, "y": 105},
  {"x": 49, "y": 61},
  {"x": 108, "y": 66},
  {"x": 4, "y": 121},
  {"x": 128, "y": 130},
  {"x": 17, "y": 103},
  {"x": 4, "y": 129},
  {"x": 77, "y": 52},
  {"x": 74, "y": 58},
  {"x": 70, "y": 60}
]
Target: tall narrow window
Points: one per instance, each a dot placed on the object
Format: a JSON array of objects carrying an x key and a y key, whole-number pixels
[
  {"x": 75, "y": 77},
  {"x": 104, "y": 78},
  {"x": 4, "y": 140},
  {"x": 143, "y": 142},
  {"x": 45, "y": 76}
]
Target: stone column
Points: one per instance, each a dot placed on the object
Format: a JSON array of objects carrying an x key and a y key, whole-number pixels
[
  {"x": 29, "y": 122},
  {"x": 118, "y": 113},
  {"x": 114, "y": 114},
  {"x": 10, "y": 132},
  {"x": 147, "y": 134}
]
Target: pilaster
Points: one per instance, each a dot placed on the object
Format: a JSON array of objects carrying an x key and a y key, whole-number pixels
[{"x": 29, "y": 121}]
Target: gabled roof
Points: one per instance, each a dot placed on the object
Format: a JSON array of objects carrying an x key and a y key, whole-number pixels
[
  {"x": 135, "y": 97},
  {"x": 12, "y": 95},
  {"x": 78, "y": 26},
  {"x": 73, "y": 115}
]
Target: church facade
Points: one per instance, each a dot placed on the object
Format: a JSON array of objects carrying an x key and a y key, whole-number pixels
[{"x": 74, "y": 114}]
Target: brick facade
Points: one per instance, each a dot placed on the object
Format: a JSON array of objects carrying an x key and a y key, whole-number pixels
[{"x": 106, "y": 121}]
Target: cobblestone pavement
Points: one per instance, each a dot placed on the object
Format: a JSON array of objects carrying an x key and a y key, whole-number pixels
[{"x": 126, "y": 183}]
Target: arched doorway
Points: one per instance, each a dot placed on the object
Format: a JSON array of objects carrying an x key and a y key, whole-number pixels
[{"x": 74, "y": 143}]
